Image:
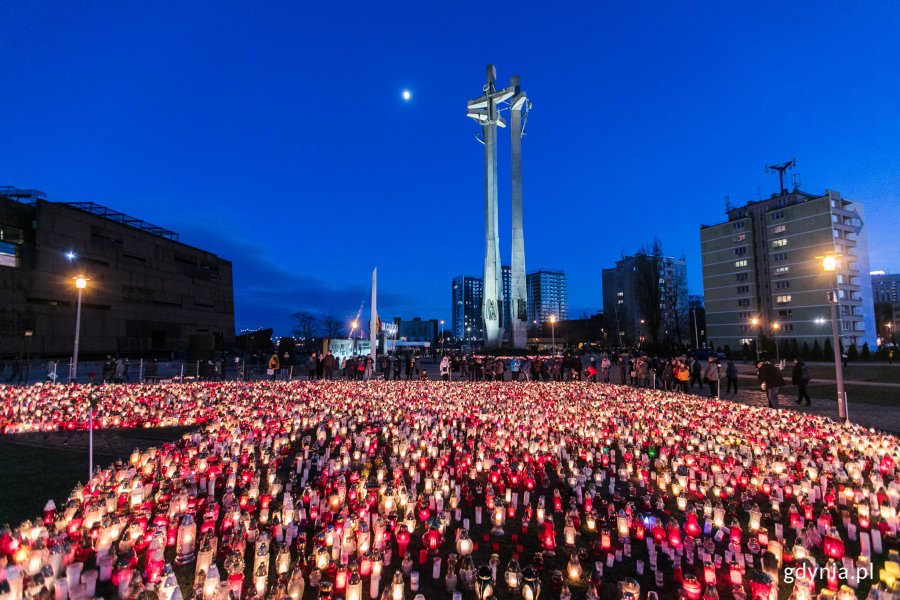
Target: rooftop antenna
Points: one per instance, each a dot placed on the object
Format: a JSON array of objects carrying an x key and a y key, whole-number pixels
[
  {"x": 795, "y": 179},
  {"x": 727, "y": 204},
  {"x": 780, "y": 168}
]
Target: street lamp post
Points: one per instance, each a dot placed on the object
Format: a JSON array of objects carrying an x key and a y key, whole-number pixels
[
  {"x": 553, "y": 333},
  {"x": 775, "y": 327},
  {"x": 28, "y": 335},
  {"x": 442, "y": 336},
  {"x": 755, "y": 322},
  {"x": 80, "y": 284},
  {"x": 829, "y": 264}
]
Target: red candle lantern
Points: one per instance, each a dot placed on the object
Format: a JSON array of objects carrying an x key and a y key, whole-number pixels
[
  {"x": 432, "y": 540},
  {"x": 709, "y": 573},
  {"x": 760, "y": 586},
  {"x": 340, "y": 578},
  {"x": 402, "y": 540},
  {"x": 548, "y": 537},
  {"x": 691, "y": 587},
  {"x": 833, "y": 546},
  {"x": 692, "y": 527}
]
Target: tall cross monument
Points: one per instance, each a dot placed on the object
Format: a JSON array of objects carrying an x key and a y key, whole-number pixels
[{"x": 486, "y": 111}]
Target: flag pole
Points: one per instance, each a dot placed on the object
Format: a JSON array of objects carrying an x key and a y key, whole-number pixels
[{"x": 373, "y": 322}]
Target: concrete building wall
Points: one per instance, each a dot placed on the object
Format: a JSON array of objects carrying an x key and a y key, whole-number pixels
[
  {"x": 762, "y": 264},
  {"x": 146, "y": 293}
]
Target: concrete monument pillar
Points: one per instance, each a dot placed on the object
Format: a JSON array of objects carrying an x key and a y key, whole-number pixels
[
  {"x": 485, "y": 110},
  {"x": 519, "y": 105}
]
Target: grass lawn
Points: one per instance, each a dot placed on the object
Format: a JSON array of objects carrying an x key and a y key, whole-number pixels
[
  {"x": 876, "y": 373},
  {"x": 40, "y": 466},
  {"x": 863, "y": 394}
]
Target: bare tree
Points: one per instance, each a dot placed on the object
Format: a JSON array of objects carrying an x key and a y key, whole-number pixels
[
  {"x": 306, "y": 326},
  {"x": 677, "y": 306},
  {"x": 332, "y": 325}
]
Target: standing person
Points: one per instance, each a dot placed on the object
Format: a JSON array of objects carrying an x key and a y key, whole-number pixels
[
  {"x": 514, "y": 369},
  {"x": 800, "y": 377},
  {"x": 499, "y": 369},
  {"x": 623, "y": 366},
  {"x": 320, "y": 365},
  {"x": 711, "y": 376},
  {"x": 286, "y": 363},
  {"x": 395, "y": 362},
  {"x": 385, "y": 364},
  {"x": 682, "y": 375},
  {"x": 770, "y": 380},
  {"x": 478, "y": 371},
  {"x": 696, "y": 374},
  {"x": 311, "y": 367},
  {"x": 604, "y": 368},
  {"x": 731, "y": 374},
  {"x": 273, "y": 366},
  {"x": 328, "y": 365},
  {"x": 409, "y": 366},
  {"x": 369, "y": 368},
  {"x": 445, "y": 368}
]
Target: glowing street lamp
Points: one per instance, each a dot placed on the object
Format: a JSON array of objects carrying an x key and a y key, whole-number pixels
[
  {"x": 755, "y": 322},
  {"x": 80, "y": 284},
  {"x": 553, "y": 332},
  {"x": 829, "y": 265},
  {"x": 353, "y": 325},
  {"x": 775, "y": 328}
]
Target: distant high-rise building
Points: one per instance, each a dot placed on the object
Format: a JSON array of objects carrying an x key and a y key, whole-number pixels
[
  {"x": 622, "y": 301},
  {"x": 417, "y": 330},
  {"x": 467, "y": 294},
  {"x": 765, "y": 263},
  {"x": 885, "y": 287},
  {"x": 548, "y": 294}
]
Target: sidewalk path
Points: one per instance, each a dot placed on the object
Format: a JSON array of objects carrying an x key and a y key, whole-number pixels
[{"x": 874, "y": 416}]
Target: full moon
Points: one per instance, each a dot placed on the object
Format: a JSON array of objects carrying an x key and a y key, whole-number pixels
[{"x": 407, "y": 95}]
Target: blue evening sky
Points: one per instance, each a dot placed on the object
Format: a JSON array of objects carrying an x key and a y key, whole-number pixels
[{"x": 275, "y": 135}]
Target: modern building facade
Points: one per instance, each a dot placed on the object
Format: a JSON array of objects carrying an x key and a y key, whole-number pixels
[
  {"x": 417, "y": 330},
  {"x": 147, "y": 293},
  {"x": 764, "y": 264},
  {"x": 626, "y": 320},
  {"x": 548, "y": 294},
  {"x": 885, "y": 287},
  {"x": 466, "y": 298}
]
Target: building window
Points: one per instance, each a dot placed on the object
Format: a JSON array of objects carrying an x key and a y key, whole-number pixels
[
  {"x": 782, "y": 299},
  {"x": 8, "y": 255},
  {"x": 785, "y": 312},
  {"x": 745, "y": 315},
  {"x": 743, "y": 289},
  {"x": 779, "y": 229},
  {"x": 778, "y": 214},
  {"x": 740, "y": 263},
  {"x": 744, "y": 302},
  {"x": 782, "y": 285},
  {"x": 779, "y": 243},
  {"x": 787, "y": 327},
  {"x": 742, "y": 276},
  {"x": 746, "y": 341},
  {"x": 744, "y": 329},
  {"x": 737, "y": 225},
  {"x": 779, "y": 256},
  {"x": 740, "y": 251},
  {"x": 782, "y": 271}
]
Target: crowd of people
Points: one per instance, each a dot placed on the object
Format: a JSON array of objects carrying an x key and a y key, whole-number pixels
[{"x": 429, "y": 487}]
